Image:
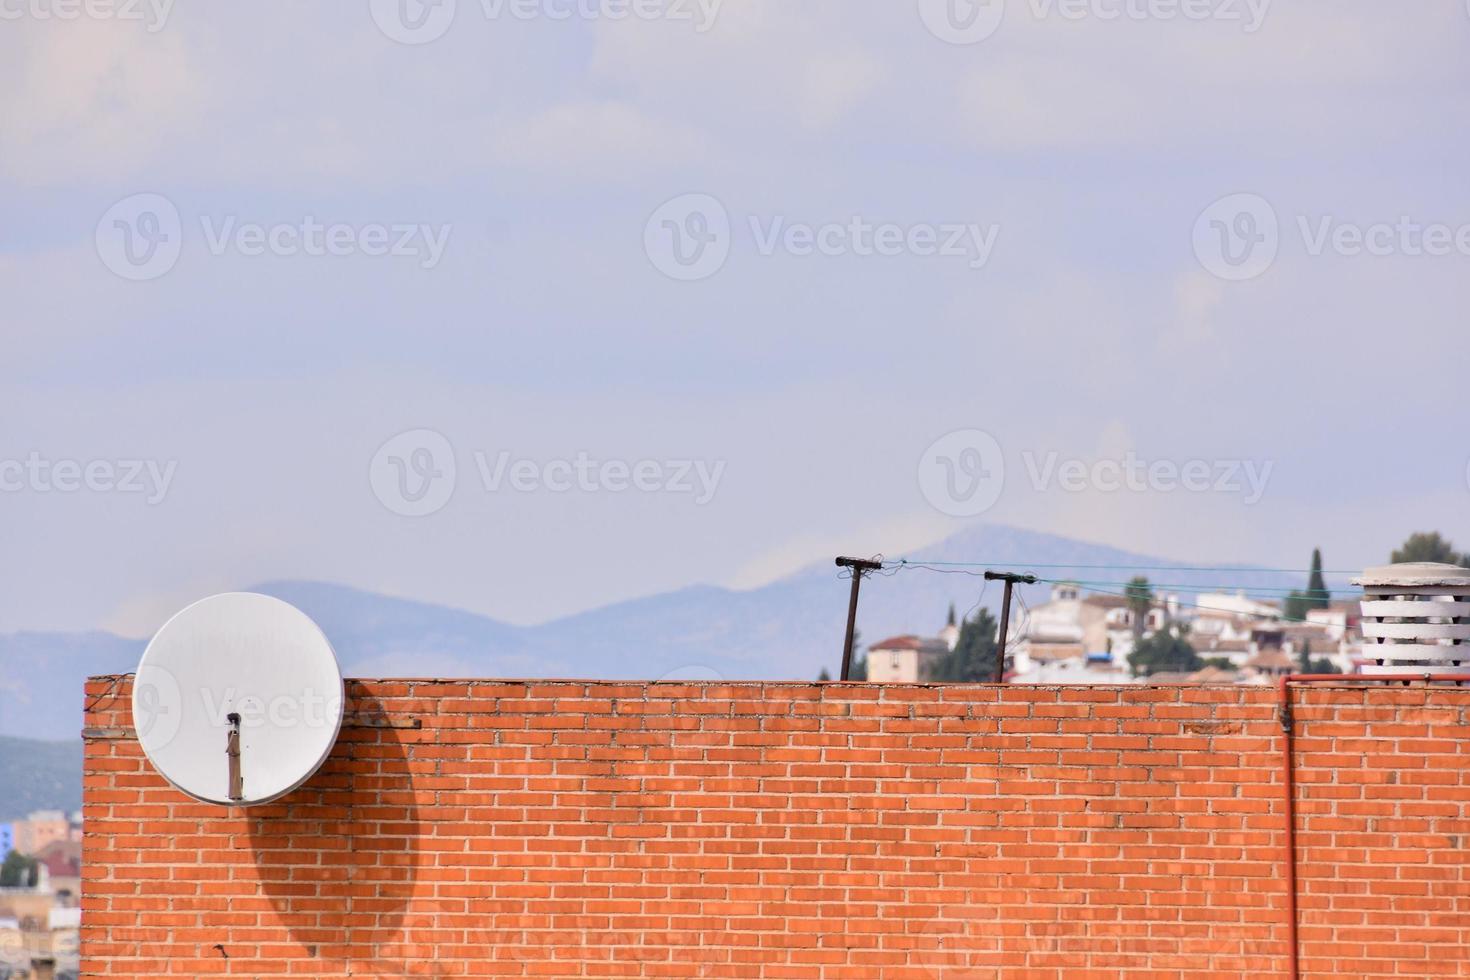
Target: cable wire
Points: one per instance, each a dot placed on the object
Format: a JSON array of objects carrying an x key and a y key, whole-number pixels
[{"x": 1125, "y": 568}]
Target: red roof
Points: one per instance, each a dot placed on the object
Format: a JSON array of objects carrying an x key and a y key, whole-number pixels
[
  {"x": 63, "y": 858},
  {"x": 909, "y": 643},
  {"x": 1270, "y": 658}
]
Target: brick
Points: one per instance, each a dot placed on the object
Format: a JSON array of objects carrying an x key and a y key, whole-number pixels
[{"x": 801, "y": 832}]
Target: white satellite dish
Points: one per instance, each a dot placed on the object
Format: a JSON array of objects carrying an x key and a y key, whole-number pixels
[{"x": 238, "y": 699}]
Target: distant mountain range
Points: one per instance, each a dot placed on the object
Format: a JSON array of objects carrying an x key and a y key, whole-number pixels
[{"x": 787, "y": 630}]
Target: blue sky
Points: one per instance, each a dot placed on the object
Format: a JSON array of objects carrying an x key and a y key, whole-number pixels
[{"x": 542, "y": 146}]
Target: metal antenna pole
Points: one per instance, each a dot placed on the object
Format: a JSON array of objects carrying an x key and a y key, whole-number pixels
[
  {"x": 1010, "y": 579},
  {"x": 860, "y": 567}
]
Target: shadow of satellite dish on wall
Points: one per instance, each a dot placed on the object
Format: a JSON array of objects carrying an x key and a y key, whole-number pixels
[{"x": 339, "y": 858}]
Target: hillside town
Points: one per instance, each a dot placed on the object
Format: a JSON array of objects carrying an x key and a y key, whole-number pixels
[
  {"x": 1087, "y": 637},
  {"x": 40, "y": 896}
]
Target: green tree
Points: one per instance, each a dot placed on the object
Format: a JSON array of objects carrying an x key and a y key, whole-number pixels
[
  {"x": 1298, "y": 604},
  {"x": 972, "y": 661},
  {"x": 19, "y": 871},
  {"x": 1429, "y": 546},
  {"x": 1140, "y": 597},
  {"x": 1167, "y": 649},
  {"x": 1317, "y": 595},
  {"x": 1310, "y": 665}
]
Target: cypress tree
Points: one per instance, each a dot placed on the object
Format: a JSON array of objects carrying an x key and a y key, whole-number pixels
[{"x": 1317, "y": 595}]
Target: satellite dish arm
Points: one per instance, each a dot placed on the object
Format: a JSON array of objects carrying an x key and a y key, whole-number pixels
[{"x": 232, "y": 749}]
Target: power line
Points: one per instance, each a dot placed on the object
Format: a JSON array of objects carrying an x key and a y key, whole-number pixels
[{"x": 1118, "y": 568}]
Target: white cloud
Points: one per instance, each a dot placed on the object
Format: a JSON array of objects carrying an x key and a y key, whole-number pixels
[
  {"x": 140, "y": 615},
  {"x": 1197, "y": 296},
  {"x": 602, "y": 137},
  {"x": 894, "y": 536},
  {"x": 93, "y": 99},
  {"x": 1181, "y": 86},
  {"x": 1028, "y": 101},
  {"x": 834, "y": 85}
]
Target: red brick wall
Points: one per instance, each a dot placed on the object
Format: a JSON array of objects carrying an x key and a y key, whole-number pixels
[{"x": 796, "y": 831}]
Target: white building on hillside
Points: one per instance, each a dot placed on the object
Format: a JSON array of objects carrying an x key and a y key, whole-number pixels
[{"x": 1097, "y": 623}]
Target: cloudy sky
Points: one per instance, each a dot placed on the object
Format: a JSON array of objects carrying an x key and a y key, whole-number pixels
[{"x": 527, "y": 306}]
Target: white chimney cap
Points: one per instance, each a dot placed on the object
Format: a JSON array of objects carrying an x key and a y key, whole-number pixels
[
  {"x": 1416, "y": 617},
  {"x": 1415, "y": 573}
]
